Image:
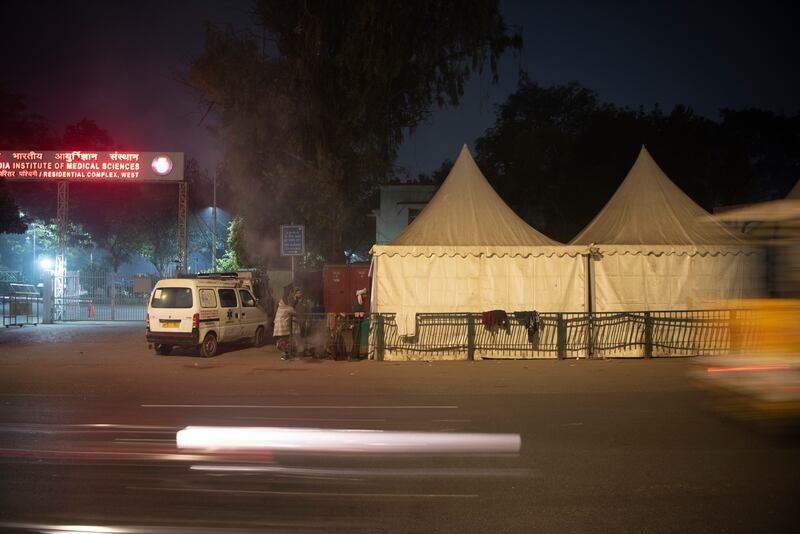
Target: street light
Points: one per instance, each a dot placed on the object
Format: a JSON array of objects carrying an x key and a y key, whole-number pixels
[{"x": 46, "y": 264}]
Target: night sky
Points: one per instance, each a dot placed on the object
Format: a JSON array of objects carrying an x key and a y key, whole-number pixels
[{"x": 121, "y": 64}]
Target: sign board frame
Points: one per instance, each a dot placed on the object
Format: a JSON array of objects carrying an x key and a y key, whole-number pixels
[
  {"x": 91, "y": 166},
  {"x": 293, "y": 240}
]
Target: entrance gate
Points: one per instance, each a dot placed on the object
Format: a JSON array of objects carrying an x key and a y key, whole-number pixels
[
  {"x": 105, "y": 296},
  {"x": 99, "y": 167}
]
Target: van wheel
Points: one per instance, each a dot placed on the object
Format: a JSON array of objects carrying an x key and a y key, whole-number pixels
[
  {"x": 163, "y": 349},
  {"x": 209, "y": 346},
  {"x": 258, "y": 339}
]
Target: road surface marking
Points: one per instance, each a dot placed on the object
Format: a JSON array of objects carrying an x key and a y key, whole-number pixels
[
  {"x": 144, "y": 440},
  {"x": 311, "y": 472},
  {"x": 299, "y": 407},
  {"x": 319, "y": 493},
  {"x": 310, "y": 419},
  {"x": 451, "y": 420}
]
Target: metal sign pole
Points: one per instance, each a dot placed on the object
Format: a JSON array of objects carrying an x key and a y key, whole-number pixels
[
  {"x": 182, "y": 237},
  {"x": 60, "y": 273},
  {"x": 214, "y": 227},
  {"x": 293, "y": 242}
]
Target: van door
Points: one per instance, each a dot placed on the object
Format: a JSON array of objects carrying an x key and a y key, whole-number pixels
[
  {"x": 252, "y": 315},
  {"x": 171, "y": 308},
  {"x": 209, "y": 311},
  {"x": 230, "y": 315}
]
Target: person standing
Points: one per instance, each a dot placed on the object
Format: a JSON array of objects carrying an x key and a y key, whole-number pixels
[
  {"x": 302, "y": 310},
  {"x": 285, "y": 324},
  {"x": 359, "y": 309}
]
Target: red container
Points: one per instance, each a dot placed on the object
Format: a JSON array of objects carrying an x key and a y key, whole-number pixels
[
  {"x": 311, "y": 283},
  {"x": 340, "y": 283},
  {"x": 359, "y": 278}
]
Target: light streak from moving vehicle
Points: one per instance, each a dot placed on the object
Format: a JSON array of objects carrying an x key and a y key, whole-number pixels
[{"x": 350, "y": 441}]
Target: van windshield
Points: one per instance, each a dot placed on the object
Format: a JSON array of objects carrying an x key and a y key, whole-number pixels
[{"x": 172, "y": 297}]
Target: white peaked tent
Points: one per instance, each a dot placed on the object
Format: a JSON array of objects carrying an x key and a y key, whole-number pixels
[
  {"x": 469, "y": 252},
  {"x": 654, "y": 248}
]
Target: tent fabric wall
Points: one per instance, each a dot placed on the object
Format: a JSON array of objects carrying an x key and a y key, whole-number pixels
[
  {"x": 654, "y": 248},
  {"x": 411, "y": 280},
  {"x": 469, "y": 252},
  {"x": 676, "y": 280}
]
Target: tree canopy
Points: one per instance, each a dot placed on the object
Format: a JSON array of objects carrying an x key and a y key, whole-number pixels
[
  {"x": 312, "y": 116},
  {"x": 557, "y": 154},
  {"x": 19, "y": 128}
]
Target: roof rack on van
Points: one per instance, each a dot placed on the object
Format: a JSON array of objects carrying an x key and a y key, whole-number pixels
[{"x": 218, "y": 275}]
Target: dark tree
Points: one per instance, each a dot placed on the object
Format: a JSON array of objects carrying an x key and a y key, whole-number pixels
[
  {"x": 771, "y": 144},
  {"x": 557, "y": 154},
  {"x": 86, "y": 135},
  {"x": 19, "y": 127},
  {"x": 313, "y": 121},
  {"x": 10, "y": 219}
]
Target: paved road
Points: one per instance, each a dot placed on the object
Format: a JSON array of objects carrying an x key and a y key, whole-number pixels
[{"x": 88, "y": 419}]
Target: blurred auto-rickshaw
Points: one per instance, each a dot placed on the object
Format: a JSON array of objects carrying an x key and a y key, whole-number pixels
[{"x": 759, "y": 380}]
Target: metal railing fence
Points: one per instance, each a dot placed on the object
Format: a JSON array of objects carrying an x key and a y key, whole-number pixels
[
  {"x": 21, "y": 310},
  {"x": 562, "y": 335},
  {"x": 330, "y": 335},
  {"x": 103, "y": 296}
]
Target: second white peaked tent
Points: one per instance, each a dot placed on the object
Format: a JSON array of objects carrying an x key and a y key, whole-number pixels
[
  {"x": 654, "y": 248},
  {"x": 469, "y": 252}
]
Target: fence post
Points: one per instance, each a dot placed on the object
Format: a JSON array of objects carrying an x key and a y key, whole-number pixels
[
  {"x": 379, "y": 342},
  {"x": 113, "y": 296},
  {"x": 561, "y": 336},
  {"x": 734, "y": 331},
  {"x": 470, "y": 337},
  {"x": 590, "y": 336},
  {"x": 648, "y": 335},
  {"x": 291, "y": 335},
  {"x": 47, "y": 299}
]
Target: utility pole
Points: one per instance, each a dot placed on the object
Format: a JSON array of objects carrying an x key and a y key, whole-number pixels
[
  {"x": 182, "y": 240},
  {"x": 214, "y": 226}
]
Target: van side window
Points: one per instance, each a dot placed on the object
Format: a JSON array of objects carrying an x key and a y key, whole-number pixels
[
  {"x": 207, "y": 298},
  {"x": 247, "y": 299},
  {"x": 172, "y": 297},
  {"x": 227, "y": 298}
]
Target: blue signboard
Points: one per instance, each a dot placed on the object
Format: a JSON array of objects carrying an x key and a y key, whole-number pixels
[{"x": 293, "y": 240}]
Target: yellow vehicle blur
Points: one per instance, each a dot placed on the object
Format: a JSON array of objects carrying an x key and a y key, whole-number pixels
[{"x": 759, "y": 380}]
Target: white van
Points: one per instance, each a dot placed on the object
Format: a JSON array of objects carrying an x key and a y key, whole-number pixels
[{"x": 203, "y": 312}]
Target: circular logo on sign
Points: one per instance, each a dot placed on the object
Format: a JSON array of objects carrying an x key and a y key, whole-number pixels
[{"x": 161, "y": 165}]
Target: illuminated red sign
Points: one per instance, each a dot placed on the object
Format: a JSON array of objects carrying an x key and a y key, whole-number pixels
[{"x": 34, "y": 165}]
